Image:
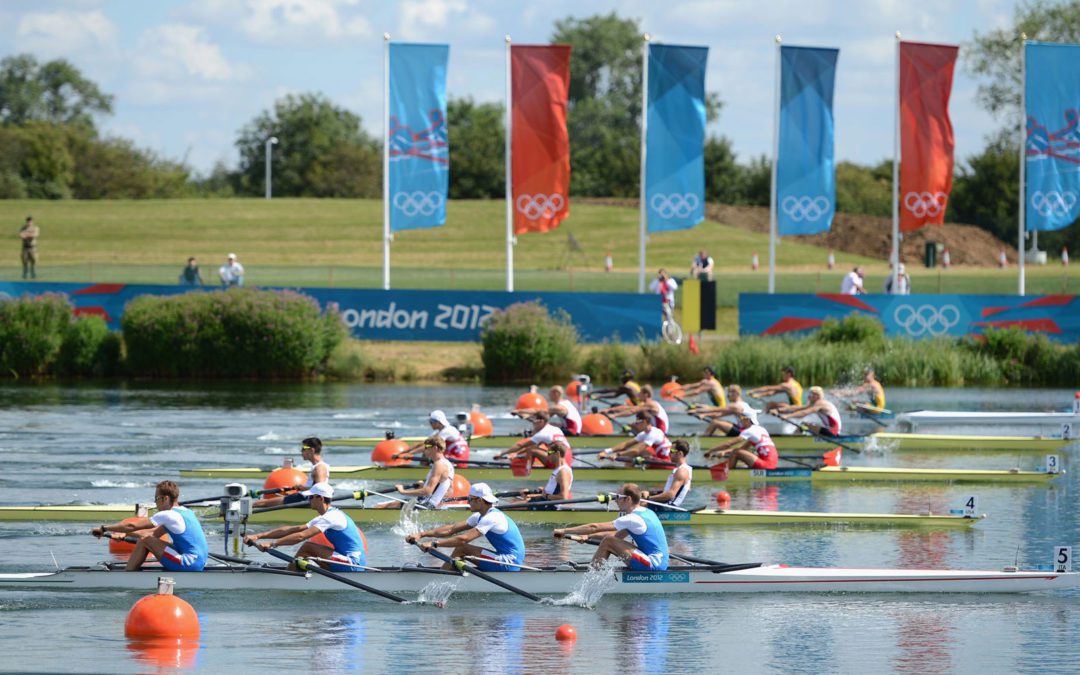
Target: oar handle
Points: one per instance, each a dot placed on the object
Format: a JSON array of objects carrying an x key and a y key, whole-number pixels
[
  {"x": 603, "y": 499},
  {"x": 307, "y": 567},
  {"x": 803, "y": 427},
  {"x": 461, "y": 566}
]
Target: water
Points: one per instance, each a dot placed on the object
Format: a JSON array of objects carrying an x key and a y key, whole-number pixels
[{"x": 90, "y": 444}]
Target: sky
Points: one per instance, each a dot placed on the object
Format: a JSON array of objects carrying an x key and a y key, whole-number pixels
[{"x": 188, "y": 75}]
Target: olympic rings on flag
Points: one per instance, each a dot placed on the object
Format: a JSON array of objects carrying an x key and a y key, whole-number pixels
[
  {"x": 805, "y": 208},
  {"x": 1054, "y": 203},
  {"x": 925, "y": 204},
  {"x": 537, "y": 206},
  {"x": 674, "y": 205},
  {"x": 927, "y": 319},
  {"x": 418, "y": 203}
]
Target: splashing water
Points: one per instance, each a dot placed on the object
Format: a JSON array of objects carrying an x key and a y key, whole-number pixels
[
  {"x": 437, "y": 593},
  {"x": 269, "y": 436},
  {"x": 593, "y": 585},
  {"x": 274, "y": 450},
  {"x": 407, "y": 524},
  {"x": 106, "y": 483}
]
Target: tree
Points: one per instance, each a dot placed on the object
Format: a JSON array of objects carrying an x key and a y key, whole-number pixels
[
  {"x": 477, "y": 149},
  {"x": 723, "y": 176},
  {"x": 864, "y": 190},
  {"x": 985, "y": 190},
  {"x": 320, "y": 148},
  {"x": 54, "y": 92},
  {"x": 113, "y": 168}
]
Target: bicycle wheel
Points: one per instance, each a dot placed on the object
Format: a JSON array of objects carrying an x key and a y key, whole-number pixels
[{"x": 672, "y": 332}]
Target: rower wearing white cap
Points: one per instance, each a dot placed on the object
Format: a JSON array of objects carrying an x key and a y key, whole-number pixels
[
  {"x": 347, "y": 554},
  {"x": 439, "y": 480},
  {"x": 486, "y": 521},
  {"x": 311, "y": 451},
  {"x": 754, "y": 447},
  {"x": 188, "y": 550},
  {"x": 457, "y": 448},
  {"x": 544, "y": 436},
  {"x": 647, "y": 549}
]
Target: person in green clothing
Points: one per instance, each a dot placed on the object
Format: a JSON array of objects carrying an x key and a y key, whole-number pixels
[
  {"x": 190, "y": 276},
  {"x": 29, "y": 235}
]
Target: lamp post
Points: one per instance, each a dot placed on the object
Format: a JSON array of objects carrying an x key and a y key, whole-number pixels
[{"x": 269, "y": 142}]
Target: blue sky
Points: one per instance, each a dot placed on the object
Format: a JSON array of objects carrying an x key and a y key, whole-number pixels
[{"x": 188, "y": 75}]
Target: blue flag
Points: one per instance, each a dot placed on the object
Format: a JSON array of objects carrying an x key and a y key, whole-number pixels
[
  {"x": 1052, "y": 97},
  {"x": 417, "y": 139},
  {"x": 805, "y": 165},
  {"x": 675, "y": 137}
]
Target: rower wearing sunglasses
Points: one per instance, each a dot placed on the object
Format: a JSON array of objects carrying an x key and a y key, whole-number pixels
[
  {"x": 647, "y": 549},
  {"x": 311, "y": 451}
]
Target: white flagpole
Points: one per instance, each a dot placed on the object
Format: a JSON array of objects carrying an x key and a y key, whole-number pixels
[
  {"x": 509, "y": 176},
  {"x": 1023, "y": 163},
  {"x": 642, "y": 210},
  {"x": 775, "y": 158},
  {"x": 387, "y": 236},
  {"x": 894, "y": 257}
]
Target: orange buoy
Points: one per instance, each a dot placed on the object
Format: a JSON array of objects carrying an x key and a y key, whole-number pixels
[
  {"x": 162, "y": 615},
  {"x": 566, "y": 633},
  {"x": 124, "y": 548},
  {"x": 385, "y": 450},
  {"x": 160, "y": 654},
  {"x": 531, "y": 400},
  {"x": 571, "y": 389},
  {"x": 595, "y": 424},
  {"x": 320, "y": 538},
  {"x": 723, "y": 498},
  {"x": 285, "y": 477},
  {"x": 481, "y": 423},
  {"x": 461, "y": 486},
  {"x": 669, "y": 390}
]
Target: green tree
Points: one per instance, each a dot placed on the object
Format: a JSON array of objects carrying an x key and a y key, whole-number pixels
[
  {"x": 319, "y": 145},
  {"x": 723, "y": 176},
  {"x": 114, "y": 168},
  {"x": 985, "y": 190},
  {"x": 477, "y": 149},
  {"x": 54, "y": 92},
  {"x": 47, "y": 166},
  {"x": 864, "y": 190}
]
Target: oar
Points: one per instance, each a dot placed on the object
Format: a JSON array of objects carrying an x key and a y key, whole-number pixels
[
  {"x": 603, "y": 499},
  {"x": 462, "y": 566},
  {"x": 251, "y": 493},
  {"x": 803, "y": 427},
  {"x": 684, "y": 558},
  {"x": 510, "y": 493},
  {"x": 304, "y": 565}
]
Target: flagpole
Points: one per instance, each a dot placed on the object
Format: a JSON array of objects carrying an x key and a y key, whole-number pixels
[
  {"x": 894, "y": 257},
  {"x": 775, "y": 160},
  {"x": 509, "y": 176},
  {"x": 387, "y": 237},
  {"x": 642, "y": 210},
  {"x": 1023, "y": 162}
]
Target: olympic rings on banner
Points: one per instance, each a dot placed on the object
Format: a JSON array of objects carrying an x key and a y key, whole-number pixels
[
  {"x": 805, "y": 208},
  {"x": 925, "y": 204},
  {"x": 537, "y": 206},
  {"x": 418, "y": 203},
  {"x": 674, "y": 205},
  {"x": 927, "y": 319},
  {"x": 1053, "y": 203}
]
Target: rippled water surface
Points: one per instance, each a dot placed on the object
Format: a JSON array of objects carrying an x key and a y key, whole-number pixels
[{"x": 91, "y": 444}]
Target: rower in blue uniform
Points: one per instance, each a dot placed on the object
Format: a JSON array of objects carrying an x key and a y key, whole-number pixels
[
  {"x": 485, "y": 521},
  {"x": 647, "y": 549}
]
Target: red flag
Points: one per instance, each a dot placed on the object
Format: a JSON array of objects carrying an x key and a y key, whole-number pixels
[
  {"x": 926, "y": 133},
  {"x": 540, "y": 144}
]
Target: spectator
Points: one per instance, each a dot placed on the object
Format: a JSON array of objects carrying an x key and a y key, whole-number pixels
[
  {"x": 609, "y": 262},
  {"x": 702, "y": 267},
  {"x": 903, "y": 285},
  {"x": 190, "y": 276},
  {"x": 852, "y": 284},
  {"x": 232, "y": 272},
  {"x": 29, "y": 234}
]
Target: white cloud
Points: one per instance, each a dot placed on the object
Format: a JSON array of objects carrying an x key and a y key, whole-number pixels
[
  {"x": 292, "y": 22},
  {"x": 420, "y": 18},
  {"x": 66, "y": 33},
  {"x": 181, "y": 51}
]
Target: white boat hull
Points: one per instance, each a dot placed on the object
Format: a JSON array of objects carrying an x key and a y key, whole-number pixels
[{"x": 1044, "y": 423}]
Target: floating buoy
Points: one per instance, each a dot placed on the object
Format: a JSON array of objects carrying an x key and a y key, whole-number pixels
[
  {"x": 124, "y": 548},
  {"x": 162, "y": 615},
  {"x": 571, "y": 389},
  {"x": 320, "y": 538},
  {"x": 385, "y": 450},
  {"x": 165, "y": 654},
  {"x": 531, "y": 400},
  {"x": 481, "y": 423},
  {"x": 566, "y": 633},
  {"x": 723, "y": 498},
  {"x": 461, "y": 486},
  {"x": 595, "y": 424},
  {"x": 285, "y": 477},
  {"x": 669, "y": 390}
]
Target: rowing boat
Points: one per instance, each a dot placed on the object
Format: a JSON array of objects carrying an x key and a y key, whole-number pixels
[
  {"x": 1051, "y": 422},
  {"x": 561, "y": 581},
  {"x": 567, "y": 516},
  {"x": 826, "y": 474},
  {"x": 880, "y": 440}
]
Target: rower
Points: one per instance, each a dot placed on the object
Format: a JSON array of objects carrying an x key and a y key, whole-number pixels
[
  {"x": 439, "y": 480},
  {"x": 754, "y": 447},
  {"x": 188, "y": 550},
  {"x": 311, "y": 451},
  {"x": 543, "y": 433},
  {"x": 347, "y": 554},
  {"x": 824, "y": 417},
  {"x": 457, "y": 447},
  {"x": 558, "y": 484},
  {"x": 648, "y": 404},
  {"x": 736, "y": 406},
  {"x": 873, "y": 389},
  {"x": 709, "y": 384},
  {"x": 648, "y": 442},
  {"x": 559, "y": 405},
  {"x": 647, "y": 550},
  {"x": 485, "y": 521},
  {"x": 788, "y": 387},
  {"x": 678, "y": 482},
  {"x": 629, "y": 388}
]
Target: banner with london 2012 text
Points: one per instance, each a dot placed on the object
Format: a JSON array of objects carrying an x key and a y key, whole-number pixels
[
  {"x": 417, "y": 141},
  {"x": 805, "y": 168},
  {"x": 1052, "y": 102},
  {"x": 540, "y": 142},
  {"x": 675, "y": 137},
  {"x": 926, "y": 133}
]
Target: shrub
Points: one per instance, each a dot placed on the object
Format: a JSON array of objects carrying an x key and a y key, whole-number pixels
[
  {"x": 31, "y": 332},
  {"x": 607, "y": 361},
  {"x": 660, "y": 360},
  {"x": 84, "y": 351},
  {"x": 853, "y": 328},
  {"x": 525, "y": 343}
]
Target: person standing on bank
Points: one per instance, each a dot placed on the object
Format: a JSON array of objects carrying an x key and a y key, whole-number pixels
[
  {"x": 190, "y": 276},
  {"x": 29, "y": 235},
  {"x": 232, "y": 272}
]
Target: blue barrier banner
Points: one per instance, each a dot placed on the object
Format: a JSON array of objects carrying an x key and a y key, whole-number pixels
[
  {"x": 1052, "y": 169},
  {"x": 418, "y": 143},
  {"x": 913, "y": 316},
  {"x": 805, "y": 171},
  {"x": 675, "y": 137},
  {"x": 370, "y": 314}
]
